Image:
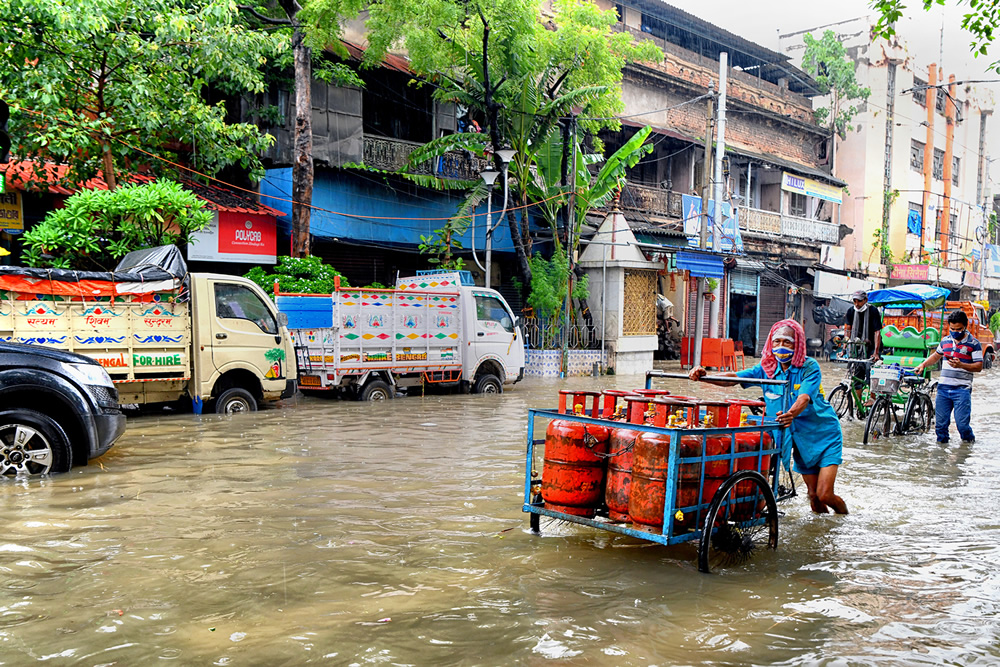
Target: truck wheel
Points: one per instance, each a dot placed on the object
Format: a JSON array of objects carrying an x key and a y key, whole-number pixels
[
  {"x": 235, "y": 400},
  {"x": 376, "y": 390},
  {"x": 32, "y": 444},
  {"x": 487, "y": 383}
]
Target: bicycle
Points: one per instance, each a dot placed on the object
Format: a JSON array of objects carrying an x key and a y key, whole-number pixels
[
  {"x": 851, "y": 396},
  {"x": 918, "y": 411}
]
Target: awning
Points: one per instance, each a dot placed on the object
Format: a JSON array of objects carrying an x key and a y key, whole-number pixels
[{"x": 701, "y": 265}]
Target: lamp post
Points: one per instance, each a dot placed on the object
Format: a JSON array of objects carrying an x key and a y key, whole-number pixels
[
  {"x": 489, "y": 177},
  {"x": 505, "y": 155}
]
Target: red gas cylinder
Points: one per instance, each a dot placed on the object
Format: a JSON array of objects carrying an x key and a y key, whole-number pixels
[
  {"x": 573, "y": 472},
  {"x": 716, "y": 445},
  {"x": 736, "y": 406},
  {"x": 651, "y": 464},
  {"x": 621, "y": 447},
  {"x": 610, "y": 401},
  {"x": 751, "y": 442}
]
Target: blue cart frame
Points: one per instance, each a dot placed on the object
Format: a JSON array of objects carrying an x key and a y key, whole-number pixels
[{"x": 707, "y": 513}]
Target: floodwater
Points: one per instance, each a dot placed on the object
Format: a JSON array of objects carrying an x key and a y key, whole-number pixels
[{"x": 347, "y": 533}]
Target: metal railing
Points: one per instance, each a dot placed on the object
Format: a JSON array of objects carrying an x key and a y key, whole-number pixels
[
  {"x": 648, "y": 199},
  {"x": 392, "y": 155},
  {"x": 771, "y": 223},
  {"x": 545, "y": 335}
]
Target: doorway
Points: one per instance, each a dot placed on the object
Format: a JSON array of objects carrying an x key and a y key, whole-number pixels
[{"x": 743, "y": 320}]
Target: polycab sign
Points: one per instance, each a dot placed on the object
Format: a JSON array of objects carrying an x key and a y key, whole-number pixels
[{"x": 236, "y": 237}]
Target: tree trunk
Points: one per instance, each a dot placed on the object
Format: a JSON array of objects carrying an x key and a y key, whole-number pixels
[
  {"x": 522, "y": 254},
  {"x": 302, "y": 165},
  {"x": 109, "y": 166}
]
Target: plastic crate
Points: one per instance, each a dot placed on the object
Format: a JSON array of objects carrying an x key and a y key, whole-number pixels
[{"x": 885, "y": 380}]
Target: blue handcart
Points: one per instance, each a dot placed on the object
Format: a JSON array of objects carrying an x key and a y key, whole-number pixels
[{"x": 731, "y": 524}]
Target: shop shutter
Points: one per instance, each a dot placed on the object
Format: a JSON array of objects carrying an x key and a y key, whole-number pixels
[
  {"x": 743, "y": 282},
  {"x": 692, "y": 305},
  {"x": 770, "y": 308}
]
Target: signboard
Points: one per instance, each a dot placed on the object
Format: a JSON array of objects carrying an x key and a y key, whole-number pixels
[
  {"x": 832, "y": 256},
  {"x": 140, "y": 361},
  {"x": 971, "y": 279},
  {"x": 910, "y": 272},
  {"x": 730, "y": 236},
  {"x": 992, "y": 260},
  {"x": 11, "y": 214},
  {"x": 248, "y": 238},
  {"x": 826, "y": 285},
  {"x": 810, "y": 188}
]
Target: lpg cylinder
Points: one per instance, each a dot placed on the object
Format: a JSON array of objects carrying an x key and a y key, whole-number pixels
[
  {"x": 574, "y": 465},
  {"x": 651, "y": 465},
  {"x": 620, "y": 457},
  {"x": 716, "y": 445},
  {"x": 610, "y": 398}
]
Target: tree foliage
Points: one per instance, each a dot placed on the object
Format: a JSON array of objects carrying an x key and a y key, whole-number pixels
[
  {"x": 84, "y": 77},
  {"x": 826, "y": 60},
  {"x": 98, "y": 227},
  {"x": 298, "y": 275},
  {"x": 980, "y": 21}
]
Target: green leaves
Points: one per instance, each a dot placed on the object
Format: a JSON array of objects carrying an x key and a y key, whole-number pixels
[
  {"x": 98, "y": 227},
  {"x": 298, "y": 275},
  {"x": 826, "y": 60}
]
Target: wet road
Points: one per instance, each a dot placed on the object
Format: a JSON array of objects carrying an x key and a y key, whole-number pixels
[{"x": 347, "y": 533}]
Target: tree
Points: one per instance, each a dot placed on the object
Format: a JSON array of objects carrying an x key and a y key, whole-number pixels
[
  {"x": 826, "y": 60},
  {"x": 980, "y": 22},
  {"x": 98, "y": 227},
  {"x": 105, "y": 84},
  {"x": 520, "y": 71}
]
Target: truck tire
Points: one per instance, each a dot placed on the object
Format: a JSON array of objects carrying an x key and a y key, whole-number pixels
[
  {"x": 487, "y": 383},
  {"x": 235, "y": 400},
  {"x": 376, "y": 390},
  {"x": 32, "y": 444}
]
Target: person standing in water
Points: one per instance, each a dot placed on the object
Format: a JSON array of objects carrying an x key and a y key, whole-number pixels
[{"x": 817, "y": 441}]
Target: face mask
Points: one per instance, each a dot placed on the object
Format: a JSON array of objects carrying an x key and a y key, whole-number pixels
[
  {"x": 861, "y": 309},
  {"x": 782, "y": 353},
  {"x": 957, "y": 335}
]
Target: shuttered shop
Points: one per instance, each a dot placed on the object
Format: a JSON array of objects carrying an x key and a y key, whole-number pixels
[
  {"x": 770, "y": 308},
  {"x": 692, "y": 306}
]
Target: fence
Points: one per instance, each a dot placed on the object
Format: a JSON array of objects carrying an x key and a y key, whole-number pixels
[{"x": 543, "y": 334}]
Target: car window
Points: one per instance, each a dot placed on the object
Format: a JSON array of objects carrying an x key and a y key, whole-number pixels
[
  {"x": 241, "y": 303},
  {"x": 490, "y": 309}
]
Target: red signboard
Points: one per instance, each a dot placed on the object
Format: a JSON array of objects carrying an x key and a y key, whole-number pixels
[
  {"x": 246, "y": 234},
  {"x": 910, "y": 272}
]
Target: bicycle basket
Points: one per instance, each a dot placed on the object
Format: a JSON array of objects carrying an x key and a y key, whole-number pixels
[{"x": 885, "y": 380}]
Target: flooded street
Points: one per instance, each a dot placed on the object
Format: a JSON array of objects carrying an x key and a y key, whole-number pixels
[{"x": 360, "y": 533}]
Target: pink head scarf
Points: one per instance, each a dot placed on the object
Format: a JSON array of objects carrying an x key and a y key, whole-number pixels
[{"x": 769, "y": 363}]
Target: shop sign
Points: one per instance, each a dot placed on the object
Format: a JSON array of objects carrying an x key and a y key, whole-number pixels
[
  {"x": 910, "y": 272},
  {"x": 11, "y": 213},
  {"x": 236, "y": 237},
  {"x": 993, "y": 260},
  {"x": 810, "y": 188}
]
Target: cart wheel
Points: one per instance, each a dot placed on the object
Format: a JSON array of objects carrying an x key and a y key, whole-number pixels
[
  {"x": 741, "y": 521},
  {"x": 879, "y": 422},
  {"x": 840, "y": 401},
  {"x": 536, "y": 519}
]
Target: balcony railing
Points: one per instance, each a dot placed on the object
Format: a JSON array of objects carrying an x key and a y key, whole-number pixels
[
  {"x": 392, "y": 155},
  {"x": 655, "y": 201},
  {"x": 769, "y": 223}
]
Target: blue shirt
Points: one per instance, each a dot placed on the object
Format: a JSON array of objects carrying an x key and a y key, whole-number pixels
[
  {"x": 969, "y": 350},
  {"x": 817, "y": 428}
]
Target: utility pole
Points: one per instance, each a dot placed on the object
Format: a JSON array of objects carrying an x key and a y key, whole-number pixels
[
  {"x": 706, "y": 176},
  {"x": 890, "y": 119},
  {"x": 570, "y": 225},
  {"x": 720, "y": 152}
]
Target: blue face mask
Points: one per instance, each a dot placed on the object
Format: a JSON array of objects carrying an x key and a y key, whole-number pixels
[
  {"x": 958, "y": 335},
  {"x": 782, "y": 353}
]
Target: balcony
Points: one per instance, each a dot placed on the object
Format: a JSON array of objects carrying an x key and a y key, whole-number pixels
[
  {"x": 392, "y": 155},
  {"x": 651, "y": 200},
  {"x": 769, "y": 223}
]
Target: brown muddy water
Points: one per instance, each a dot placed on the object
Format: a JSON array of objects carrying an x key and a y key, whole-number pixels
[{"x": 347, "y": 533}]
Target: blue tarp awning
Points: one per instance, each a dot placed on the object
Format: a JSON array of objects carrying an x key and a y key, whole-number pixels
[
  {"x": 701, "y": 264},
  {"x": 916, "y": 295}
]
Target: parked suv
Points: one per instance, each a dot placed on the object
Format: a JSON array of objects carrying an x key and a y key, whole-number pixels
[{"x": 56, "y": 409}]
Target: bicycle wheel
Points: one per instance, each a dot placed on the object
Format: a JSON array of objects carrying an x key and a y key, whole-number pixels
[
  {"x": 919, "y": 414},
  {"x": 840, "y": 401},
  {"x": 741, "y": 521},
  {"x": 879, "y": 422}
]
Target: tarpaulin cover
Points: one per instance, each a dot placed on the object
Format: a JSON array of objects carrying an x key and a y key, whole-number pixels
[
  {"x": 834, "y": 314},
  {"x": 137, "y": 273},
  {"x": 701, "y": 264},
  {"x": 929, "y": 296}
]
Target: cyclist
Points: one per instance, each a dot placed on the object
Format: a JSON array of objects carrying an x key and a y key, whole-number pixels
[
  {"x": 815, "y": 429},
  {"x": 964, "y": 355},
  {"x": 864, "y": 325}
]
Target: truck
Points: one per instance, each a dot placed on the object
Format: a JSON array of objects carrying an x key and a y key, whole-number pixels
[
  {"x": 978, "y": 323},
  {"x": 433, "y": 329},
  {"x": 163, "y": 335}
]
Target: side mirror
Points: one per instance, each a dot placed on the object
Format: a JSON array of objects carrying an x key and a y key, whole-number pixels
[{"x": 282, "y": 319}]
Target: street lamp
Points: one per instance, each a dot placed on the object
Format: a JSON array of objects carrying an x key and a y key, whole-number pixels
[
  {"x": 489, "y": 176},
  {"x": 505, "y": 155}
]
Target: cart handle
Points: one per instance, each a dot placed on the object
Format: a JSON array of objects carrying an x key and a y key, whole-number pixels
[{"x": 718, "y": 378}]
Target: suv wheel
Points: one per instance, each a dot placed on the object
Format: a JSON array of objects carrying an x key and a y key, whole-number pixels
[{"x": 32, "y": 444}]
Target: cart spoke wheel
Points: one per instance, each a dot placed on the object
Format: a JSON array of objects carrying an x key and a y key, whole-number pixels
[
  {"x": 840, "y": 401},
  {"x": 742, "y": 522},
  {"x": 879, "y": 422}
]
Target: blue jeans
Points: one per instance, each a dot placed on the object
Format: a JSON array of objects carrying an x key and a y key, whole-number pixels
[{"x": 959, "y": 399}]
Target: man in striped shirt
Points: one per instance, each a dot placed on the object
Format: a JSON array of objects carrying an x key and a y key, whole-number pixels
[{"x": 963, "y": 356}]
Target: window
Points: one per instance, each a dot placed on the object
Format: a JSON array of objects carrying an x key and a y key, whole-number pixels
[
  {"x": 916, "y": 155},
  {"x": 955, "y": 164},
  {"x": 621, "y": 12},
  {"x": 913, "y": 219},
  {"x": 937, "y": 166},
  {"x": 491, "y": 312},
  {"x": 797, "y": 204},
  {"x": 940, "y": 100},
  {"x": 240, "y": 303},
  {"x": 919, "y": 92}
]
